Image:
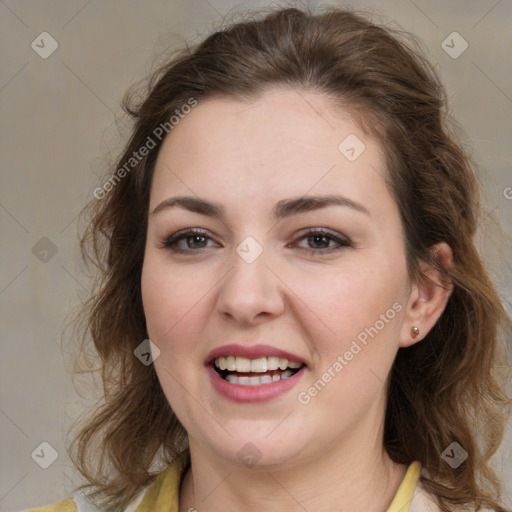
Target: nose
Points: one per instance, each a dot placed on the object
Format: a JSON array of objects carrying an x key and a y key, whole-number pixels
[{"x": 250, "y": 292}]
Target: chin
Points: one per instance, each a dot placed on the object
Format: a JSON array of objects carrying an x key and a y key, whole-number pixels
[{"x": 259, "y": 453}]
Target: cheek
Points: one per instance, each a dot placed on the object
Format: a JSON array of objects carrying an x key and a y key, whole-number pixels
[
  {"x": 168, "y": 299},
  {"x": 364, "y": 311},
  {"x": 172, "y": 307},
  {"x": 348, "y": 299},
  {"x": 157, "y": 301}
]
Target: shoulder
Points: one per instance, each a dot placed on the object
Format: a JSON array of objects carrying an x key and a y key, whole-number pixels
[
  {"x": 67, "y": 505},
  {"x": 80, "y": 503},
  {"x": 424, "y": 501},
  {"x": 162, "y": 492}
]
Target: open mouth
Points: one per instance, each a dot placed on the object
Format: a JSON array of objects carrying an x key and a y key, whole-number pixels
[{"x": 254, "y": 372}]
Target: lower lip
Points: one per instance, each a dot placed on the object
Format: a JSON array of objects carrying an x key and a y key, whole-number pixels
[{"x": 249, "y": 394}]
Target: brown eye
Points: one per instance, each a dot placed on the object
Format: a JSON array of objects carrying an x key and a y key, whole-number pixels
[
  {"x": 195, "y": 240},
  {"x": 321, "y": 241},
  {"x": 317, "y": 240}
]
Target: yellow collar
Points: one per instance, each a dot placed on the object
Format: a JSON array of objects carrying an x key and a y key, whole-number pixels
[
  {"x": 163, "y": 494},
  {"x": 403, "y": 496}
]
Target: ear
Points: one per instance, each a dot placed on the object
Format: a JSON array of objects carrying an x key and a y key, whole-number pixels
[{"x": 428, "y": 297}]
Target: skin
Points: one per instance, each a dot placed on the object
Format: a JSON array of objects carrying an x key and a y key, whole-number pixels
[{"x": 247, "y": 155}]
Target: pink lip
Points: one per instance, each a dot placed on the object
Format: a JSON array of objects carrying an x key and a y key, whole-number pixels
[
  {"x": 251, "y": 352},
  {"x": 246, "y": 394},
  {"x": 251, "y": 394}
]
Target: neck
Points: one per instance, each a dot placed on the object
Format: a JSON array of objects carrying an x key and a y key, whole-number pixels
[{"x": 349, "y": 476}]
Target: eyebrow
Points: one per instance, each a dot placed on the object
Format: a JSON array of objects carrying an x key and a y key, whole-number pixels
[{"x": 282, "y": 209}]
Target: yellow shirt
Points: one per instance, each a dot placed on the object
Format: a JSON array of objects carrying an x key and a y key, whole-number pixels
[
  {"x": 162, "y": 495},
  {"x": 404, "y": 495}
]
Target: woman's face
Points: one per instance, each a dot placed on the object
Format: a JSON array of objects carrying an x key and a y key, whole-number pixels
[{"x": 272, "y": 275}]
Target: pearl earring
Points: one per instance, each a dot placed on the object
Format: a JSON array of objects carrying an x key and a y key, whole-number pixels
[{"x": 414, "y": 332}]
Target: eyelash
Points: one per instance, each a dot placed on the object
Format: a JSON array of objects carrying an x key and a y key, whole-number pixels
[{"x": 171, "y": 242}]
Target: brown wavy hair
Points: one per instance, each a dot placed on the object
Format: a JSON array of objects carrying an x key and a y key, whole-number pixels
[{"x": 446, "y": 388}]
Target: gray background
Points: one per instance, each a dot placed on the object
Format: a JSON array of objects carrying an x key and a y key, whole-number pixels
[{"x": 58, "y": 130}]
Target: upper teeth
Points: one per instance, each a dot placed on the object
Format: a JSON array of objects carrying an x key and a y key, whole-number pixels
[{"x": 260, "y": 365}]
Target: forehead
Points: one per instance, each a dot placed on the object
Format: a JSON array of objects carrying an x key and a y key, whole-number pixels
[
  {"x": 284, "y": 142},
  {"x": 280, "y": 120}
]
